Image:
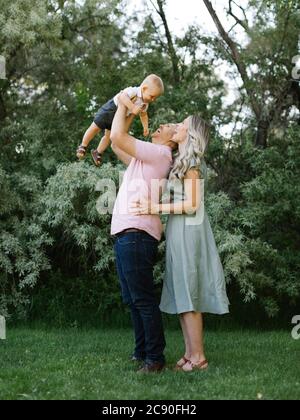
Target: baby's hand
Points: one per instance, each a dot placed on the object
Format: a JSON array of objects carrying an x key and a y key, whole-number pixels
[
  {"x": 137, "y": 109},
  {"x": 146, "y": 132}
]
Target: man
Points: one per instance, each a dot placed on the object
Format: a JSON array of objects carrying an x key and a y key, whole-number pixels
[{"x": 137, "y": 237}]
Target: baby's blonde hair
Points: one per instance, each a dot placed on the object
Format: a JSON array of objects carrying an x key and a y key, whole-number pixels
[{"x": 155, "y": 80}]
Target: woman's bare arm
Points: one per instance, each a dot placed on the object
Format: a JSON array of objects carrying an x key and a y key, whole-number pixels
[{"x": 189, "y": 206}]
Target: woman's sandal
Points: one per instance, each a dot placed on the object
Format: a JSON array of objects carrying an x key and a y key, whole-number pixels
[
  {"x": 81, "y": 152},
  {"x": 97, "y": 157},
  {"x": 191, "y": 367},
  {"x": 181, "y": 363}
]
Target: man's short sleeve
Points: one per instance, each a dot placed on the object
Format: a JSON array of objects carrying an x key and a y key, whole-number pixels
[{"x": 152, "y": 153}]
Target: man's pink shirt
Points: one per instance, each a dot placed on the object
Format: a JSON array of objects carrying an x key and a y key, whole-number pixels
[{"x": 147, "y": 172}]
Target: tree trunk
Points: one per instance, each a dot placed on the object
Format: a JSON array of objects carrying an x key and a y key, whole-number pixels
[
  {"x": 236, "y": 58},
  {"x": 262, "y": 134},
  {"x": 3, "y": 112},
  {"x": 295, "y": 89},
  {"x": 171, "y": 49}
]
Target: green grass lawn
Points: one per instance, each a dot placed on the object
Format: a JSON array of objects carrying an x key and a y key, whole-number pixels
[{"x": 78, "y": 364}]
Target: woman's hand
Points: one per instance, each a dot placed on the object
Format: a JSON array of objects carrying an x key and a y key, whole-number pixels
[{"x": 143, "y": 207}]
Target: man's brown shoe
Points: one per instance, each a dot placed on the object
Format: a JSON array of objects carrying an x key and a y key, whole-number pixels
[{"x": 152, "y": 368}]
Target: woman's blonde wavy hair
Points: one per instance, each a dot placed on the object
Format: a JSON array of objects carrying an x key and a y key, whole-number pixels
[{"x": 198, "y": 138}]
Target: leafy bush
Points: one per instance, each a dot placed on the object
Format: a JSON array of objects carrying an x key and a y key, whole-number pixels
[
  {"x": 83, "y": 248},
  {"x": 269, "y": 217},
  {"x": 22, "y": 242}
]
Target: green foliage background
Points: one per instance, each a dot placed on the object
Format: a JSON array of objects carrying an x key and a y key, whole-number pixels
[{"x": 64, "y": 60}]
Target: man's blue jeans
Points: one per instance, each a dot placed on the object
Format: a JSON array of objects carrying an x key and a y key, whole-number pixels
[{"x": 136, "y": 254}]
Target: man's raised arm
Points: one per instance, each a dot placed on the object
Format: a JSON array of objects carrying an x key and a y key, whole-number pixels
[{"x": 119, "y": 132}]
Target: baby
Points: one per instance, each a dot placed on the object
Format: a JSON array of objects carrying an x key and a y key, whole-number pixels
[{"x": 136, "y": 99}]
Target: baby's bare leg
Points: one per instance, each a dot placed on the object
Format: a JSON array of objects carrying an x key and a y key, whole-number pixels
[
  {"x": 104, "y": 143},
  {"x": 90, "y": 133}
]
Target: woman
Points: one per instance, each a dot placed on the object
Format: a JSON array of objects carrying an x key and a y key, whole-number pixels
[{"x": 194, "y": 280}]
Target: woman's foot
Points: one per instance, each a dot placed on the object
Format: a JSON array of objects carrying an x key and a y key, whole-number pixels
[
  {"x": 193, "y": 366},
  {"x": 181, "y": 363}
]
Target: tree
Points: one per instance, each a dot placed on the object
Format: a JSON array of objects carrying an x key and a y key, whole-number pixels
[
  {"x": 170, "y": 44},
  {"x": 64, "y": 60},
  {"x": 273, "y": 92},
  {"x": 23, "y": 24}
]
